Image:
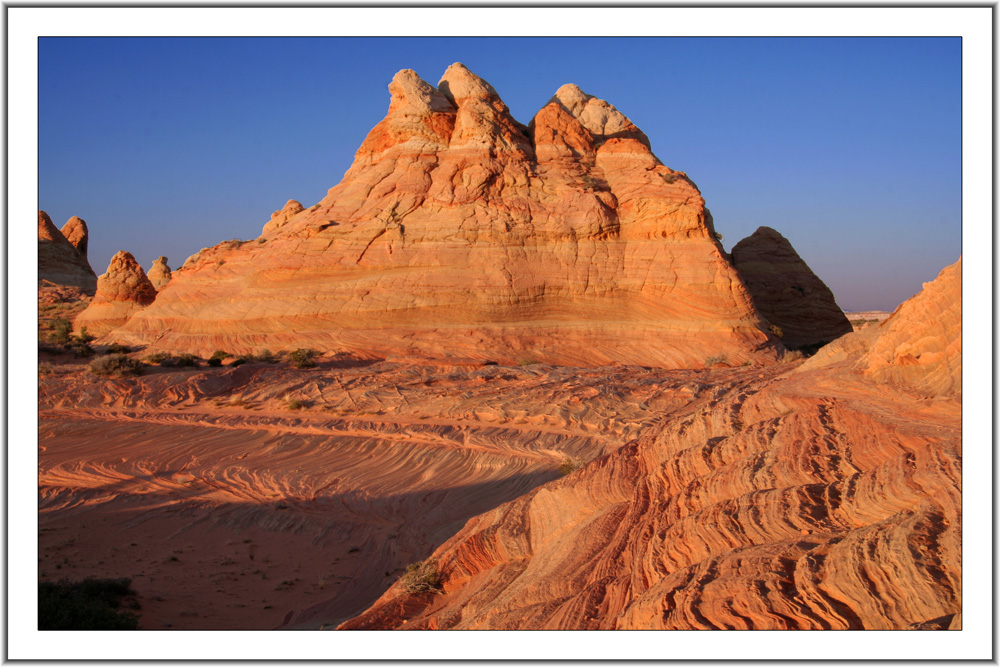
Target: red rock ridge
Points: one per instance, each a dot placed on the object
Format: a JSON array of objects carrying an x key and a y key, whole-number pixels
[{"x": 460, "y": 232}]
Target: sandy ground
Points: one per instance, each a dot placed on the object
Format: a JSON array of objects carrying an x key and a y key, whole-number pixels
[{"x": 229, "y": 509}]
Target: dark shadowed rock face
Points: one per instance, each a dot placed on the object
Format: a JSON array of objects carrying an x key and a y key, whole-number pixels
[
  {"x": 76, "y": 232},
  {"x": 787, "y": 292},
  {"x": 59, "y": 261}
]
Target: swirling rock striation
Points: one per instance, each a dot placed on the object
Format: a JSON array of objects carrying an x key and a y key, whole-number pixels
[
  {"x": 816, "y": 499},
  {"x": 459, "y": 231}
]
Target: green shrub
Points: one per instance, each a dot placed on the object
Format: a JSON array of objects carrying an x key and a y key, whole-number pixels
[
  {"x": 181, "y": 360},
  {"x": 84, "y": 336},
  {"x": 116, "y": 365},
  {"x": 422, "y": 577},
  {"x": 215, "y": 362},
  {"x": 242, "y": 359},
  {"x": 266, "y": 357},
  {"x": 81, "y": 350},
  {"x": 295, "y": 404},
  {"x": 62, "y": 331},
  {"x": 156, "y": 358},
  {"x": 92, "y": 604},
  {"x": 303, "y": 358},
  {"x": 220, "y": 354}
]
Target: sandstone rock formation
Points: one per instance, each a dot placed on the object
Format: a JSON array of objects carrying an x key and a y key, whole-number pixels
[
  {"x": 813, "y": 499},
  {"x": 59, "y": 260},
  {"x": 459, "y": 231},
  {"x": 159, "y": 274},
  {"x": 787, "y": 292},
  {"x": 76, "y": 232},
  {"x": 279, "y": 218},
  {"x": 919, "y": 347},
  {"x": 122, "y": 291}
]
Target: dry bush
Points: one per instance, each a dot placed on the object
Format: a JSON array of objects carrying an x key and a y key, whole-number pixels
[
  {"x": 116, "y": 365},
  {"x": 422, "y": 577}
]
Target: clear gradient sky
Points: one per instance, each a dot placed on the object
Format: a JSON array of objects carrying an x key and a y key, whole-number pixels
[{"x": 850, "y": 147}]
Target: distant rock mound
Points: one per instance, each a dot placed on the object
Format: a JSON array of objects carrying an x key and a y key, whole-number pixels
[
  {"x": 76, "y": 232},
  {"x": 787, "y": 292},
  {"x": 122, "y": 291},
  {"x": 460, "y": 232},
  {"x": 918, "y": 347},
  {"x": 159, "y": 274},
  {"x": 60, "y": 261}
]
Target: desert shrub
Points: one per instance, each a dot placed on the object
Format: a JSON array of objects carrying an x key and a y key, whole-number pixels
[
  {"x": 181, "y": 360},
  {"x": 116, "y": 365},
  {"x": 303, "y": 358},
  {"x": 84, "y": 336},
  {"x": 242, "y": 359},
  {"x": 266, "y": 357},
  {"x": 568, "y": 465},
  {"x": 62, "y": 331},
  {"x": 80, "y": 350},
  {"x": 526, "y": 361},
  {"x": 156, "y": 357},
  {"x": 220, "y": 354},
  {"x": 118, "y": 348},
  {"x": 717, "y": 359},
  {"x": 776, "y": 330},
  {"x": 295, "y": 404},
  {"x": 214, "y": 362},
  {"x": 92, "y": 604},
  {"x": 422, "y": 577},
  {"x": 45, "y": 368},
  {"x": 718, "y": 237},
  {"x": 793, "y": 355}
]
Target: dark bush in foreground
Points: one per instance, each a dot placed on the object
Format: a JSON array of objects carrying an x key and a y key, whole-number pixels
[
  {"x": 156, "y": 357},
  {"x": 303, "y": 358},
  {"x": 217, "y": 357},
  {"x": 91, "y": 604},
  {"x": 182, "y": 360},
  {"x": 118, "y": 348},
  {"x": 265, "y": 357},
  {"x": 422, "y": 577},
  {"x": 116, "y": 365}
]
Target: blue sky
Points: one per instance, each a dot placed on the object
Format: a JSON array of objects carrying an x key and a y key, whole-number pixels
[{"x": 850, "y": 147}]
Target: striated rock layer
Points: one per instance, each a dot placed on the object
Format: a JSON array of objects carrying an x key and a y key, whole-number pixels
[
  {"x": 458, "y": 231},
  {"x": 808, "y": 500},
  {"x": 918, "y": 347},
  {"x": 787, "y": 292},
  {"x": 122, "y": 291},
  {"x": 60, "y": 260}
]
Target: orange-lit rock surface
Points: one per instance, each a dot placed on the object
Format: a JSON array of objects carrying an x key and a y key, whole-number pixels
[
  {"x": 122, "y": 291},
  {"x": 459, "y": 231},
  {"x": 787, "y": 292},
  {"x": 819, "y": 498},
  {"x": 76, "y": 232},
  {"x": 60, "y": 262},
  {"x": 228, "y": 509},
  {"x": 159, "y": 274}
]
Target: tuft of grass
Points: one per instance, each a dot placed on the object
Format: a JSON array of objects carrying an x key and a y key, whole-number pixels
[
  {"x": 156, "y": 357},
  {"x": 422, "y": 577},
  {"x": 116, "y": 365},
  {"x": 295, "y": 404},
  {"x": 118, "y": 348},
  {"x": 717, "y": 359},
  {"x": 265, "y": 357},
  {"x": 527, "y": 361},
  {"x": 568, "y": 465},
  {"x": 776, "y": 330},
  {"x": 303, "y": 358}
]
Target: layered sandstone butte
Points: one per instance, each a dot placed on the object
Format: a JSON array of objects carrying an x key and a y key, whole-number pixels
[
  {"x": 820, "y": 498},
  {"x": 159, "y": 274},
  {"x": 787, "y": 292},
  {"x": 122, "y": 291},
  {"x": 919, "y": 347},
  {"x": 459, "y": 231},
  {"x": 60, "y": 261}
]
